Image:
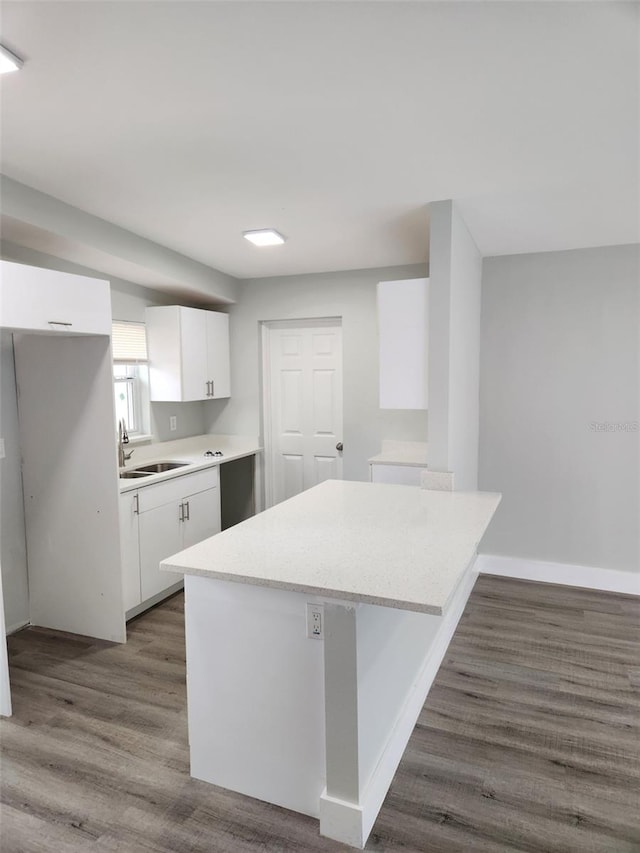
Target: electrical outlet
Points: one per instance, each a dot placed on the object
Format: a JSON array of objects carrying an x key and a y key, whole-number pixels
[
  {"x": 173, "y": 423},
  {"x": 315, "y": 621}
]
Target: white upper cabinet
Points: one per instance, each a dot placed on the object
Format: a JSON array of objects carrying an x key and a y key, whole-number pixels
[
  {"x": 402, "y": 323},
  {"x": 218, "y": 364},
  {"x": 40, "y": 300},
  {"x": 188, "y": 354}
]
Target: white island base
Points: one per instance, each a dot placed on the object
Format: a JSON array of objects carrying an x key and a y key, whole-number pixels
[
  {"x": 320, "y": 726},
  {"x": 316, "y": 727}
]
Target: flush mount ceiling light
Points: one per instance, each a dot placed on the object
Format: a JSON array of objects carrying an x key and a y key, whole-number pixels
[
  {"x": 264, "y": 237},
  {"x": 9, "y": 61}
]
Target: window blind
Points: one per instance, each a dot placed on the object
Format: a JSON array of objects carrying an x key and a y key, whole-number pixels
[{"x": 129, "y": 342}]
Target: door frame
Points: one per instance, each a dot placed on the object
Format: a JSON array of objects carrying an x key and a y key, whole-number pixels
[{"x": 266, "y": 327}]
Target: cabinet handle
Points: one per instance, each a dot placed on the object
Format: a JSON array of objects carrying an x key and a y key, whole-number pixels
[
  {"x": 186, "y": 506},
  {"x": 59, "y": 323},
  {"x": 181, "y": 512},
  {"x": 136, "y": 505},
  {"x": 212, "y": 387},
  {"x": 209, "y": 392}
]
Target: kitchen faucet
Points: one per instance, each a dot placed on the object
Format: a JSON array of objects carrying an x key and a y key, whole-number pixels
[{"x": 123, "y": 439}]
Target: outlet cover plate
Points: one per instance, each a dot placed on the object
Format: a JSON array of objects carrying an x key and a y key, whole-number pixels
[{"x": 315, "y": 621}]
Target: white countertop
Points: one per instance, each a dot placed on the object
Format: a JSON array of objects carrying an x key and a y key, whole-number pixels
[
  {"x": 393, "y": 452},
  {"x": 395, "y": 546},
  {"x": 189, "y": 450}
]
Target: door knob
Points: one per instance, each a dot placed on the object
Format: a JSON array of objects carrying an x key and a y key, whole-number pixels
[{"x": 339, "y": 446}]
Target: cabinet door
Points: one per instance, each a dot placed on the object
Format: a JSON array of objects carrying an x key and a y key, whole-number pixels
[
  {"x": 129, "y": 550},
  {"x": 160, "y": 537},
  {"x": 46, "y": 300},
  {"x": 402, "y": 475},
  {"x": 402, "y": 327},
  {"x": 193, "y": 347},
  {"x": 188, "y": 353},
  {"x": 176, "y": 338},
  {"x": 202, "y": 513},
  {"x": 165, "y": 360},
  {"x": 217, "y": 335}
]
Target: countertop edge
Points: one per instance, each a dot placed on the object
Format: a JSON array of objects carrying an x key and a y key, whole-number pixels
[
  {"x": 189, "y": 468},
  {"x": 339, "y": 594},
  {"x": 404, "y": 463},
  {"x": 428, "y": 589}
]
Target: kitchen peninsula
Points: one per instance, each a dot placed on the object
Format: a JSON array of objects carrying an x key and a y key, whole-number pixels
[{"x": 319, "y": 725}]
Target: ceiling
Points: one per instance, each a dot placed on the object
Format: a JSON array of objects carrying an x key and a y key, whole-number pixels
[{"x": 334, "y": 122}]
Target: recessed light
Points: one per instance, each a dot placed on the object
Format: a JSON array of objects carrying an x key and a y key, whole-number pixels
[
  {"x": 9, "y": 61},
  {"x": 264, "y": 237}
]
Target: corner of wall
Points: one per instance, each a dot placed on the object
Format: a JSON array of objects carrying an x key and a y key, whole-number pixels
[{"x": 454, "y": 345}]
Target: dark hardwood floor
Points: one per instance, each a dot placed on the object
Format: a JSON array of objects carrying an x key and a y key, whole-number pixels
[{"x": 529, "y": 741}]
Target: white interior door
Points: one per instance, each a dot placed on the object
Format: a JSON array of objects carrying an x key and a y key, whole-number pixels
[{"x": 303, "y": 406}]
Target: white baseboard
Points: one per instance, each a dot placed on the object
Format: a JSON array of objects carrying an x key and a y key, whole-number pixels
[
  {"x": 18, "y": 626},
  {"x": 351, "y": 823},
  {"x": 155, "y": 599},
  {"x": 342, "y": 821},
  {"x": 588, "y": 577}
]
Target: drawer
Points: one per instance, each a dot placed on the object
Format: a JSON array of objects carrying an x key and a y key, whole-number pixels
[{"x": 175, "y": 489}]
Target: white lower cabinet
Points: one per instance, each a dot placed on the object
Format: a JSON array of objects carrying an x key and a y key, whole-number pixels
[
  {"x": 403, "y": 475},
  {"x": 161, "y": 520},
  {"x": 201, "y": 509},
  {"x": 129, "y": 550},
  {"x": 160, "y": 536}
]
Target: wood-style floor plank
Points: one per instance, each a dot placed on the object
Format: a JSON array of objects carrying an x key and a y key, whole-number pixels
[{"x": 529, "y": 741}]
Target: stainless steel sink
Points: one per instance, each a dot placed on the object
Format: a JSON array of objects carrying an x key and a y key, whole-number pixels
[
  {"x": 134, "y": 475},
  {"x": 157, "y": 467}
]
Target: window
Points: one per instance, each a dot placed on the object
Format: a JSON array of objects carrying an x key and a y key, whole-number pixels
[{"x": 131, "y": 376}]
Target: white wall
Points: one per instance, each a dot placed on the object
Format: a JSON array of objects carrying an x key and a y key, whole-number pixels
[
  {"x": 349, "y": 295},
  {"x": 560, "y": 353},
  {"x": 256, "y": 712},
  {"x": 392, "y": 648},
  {"x": 13, "y": 549},
  {"x": 102, "y": 242},
  {"x": 454, "y": 345},
  {"x": 128, "y": 301}
]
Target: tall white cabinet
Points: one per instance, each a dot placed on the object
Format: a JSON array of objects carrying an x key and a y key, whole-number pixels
[
  {"x": 188, "y": 354},
  {"x": 62, "y": 326}
]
